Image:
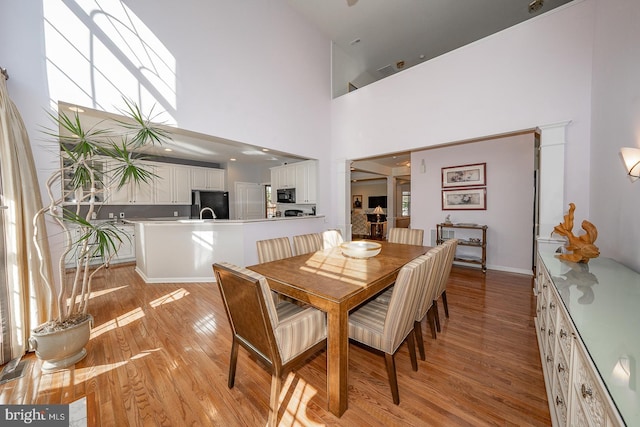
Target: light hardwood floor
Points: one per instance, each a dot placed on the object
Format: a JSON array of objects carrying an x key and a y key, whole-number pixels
[{"x": 159, "y": 355}]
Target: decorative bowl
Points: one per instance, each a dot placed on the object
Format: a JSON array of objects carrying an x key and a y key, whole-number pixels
[{"x": 361, "y": 249}]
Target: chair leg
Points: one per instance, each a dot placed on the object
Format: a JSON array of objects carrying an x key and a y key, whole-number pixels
[
  {"x": 232, "y": 363},
  {"x": 417, "y": 327},
  {"x": 444, "y": 303},
  {"x": 437, "y": 315},
  {"x": 412, "y": 351},
  {"x": 431, "y": 318},
  {"x": 393, "y": 380},
  {"x": 274, "y": 399}
]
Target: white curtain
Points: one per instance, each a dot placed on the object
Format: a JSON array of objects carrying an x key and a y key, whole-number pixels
[{"x": 24, "y": 297}]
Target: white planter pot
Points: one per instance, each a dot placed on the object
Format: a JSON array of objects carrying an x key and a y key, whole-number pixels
[{"x": 63, "y": 348}]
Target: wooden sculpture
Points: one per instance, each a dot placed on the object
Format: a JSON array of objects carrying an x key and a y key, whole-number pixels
[{"x": 582, "y": 247}]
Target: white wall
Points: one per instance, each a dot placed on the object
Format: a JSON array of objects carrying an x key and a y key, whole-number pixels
[
  {"x": 615, "y": 201},
  {"x": 249, "y": 71},
  {"x": 533, "y": 74},
  {"x": 509, "y": 214}
]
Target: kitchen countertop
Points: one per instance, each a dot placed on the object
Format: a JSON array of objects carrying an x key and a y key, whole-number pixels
[{"x": 184, "y": 220}]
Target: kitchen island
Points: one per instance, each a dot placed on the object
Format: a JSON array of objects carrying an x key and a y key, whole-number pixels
[{"x": 183, "y": 250}]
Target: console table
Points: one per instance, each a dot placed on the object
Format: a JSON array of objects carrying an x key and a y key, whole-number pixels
[
  {"x": 587, "y": 321},
  {"x": 477, "y": 242}
]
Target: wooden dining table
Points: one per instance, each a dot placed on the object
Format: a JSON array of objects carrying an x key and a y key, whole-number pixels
[{"x": 335, "y": 284}]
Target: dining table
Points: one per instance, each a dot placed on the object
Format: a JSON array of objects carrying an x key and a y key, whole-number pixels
[{"x": 336, "y": 284}]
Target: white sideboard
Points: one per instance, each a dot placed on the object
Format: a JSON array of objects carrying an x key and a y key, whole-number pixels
[{"x": 587, "y": 317}]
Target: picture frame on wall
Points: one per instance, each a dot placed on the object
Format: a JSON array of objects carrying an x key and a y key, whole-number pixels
[
  {"x": 357, "y": 201},
  {"x": 464, "y": 199},
  {"x": 473, "y": 175}
]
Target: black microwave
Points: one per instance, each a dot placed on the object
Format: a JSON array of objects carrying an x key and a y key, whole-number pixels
[{"x": 286, "y": 195}]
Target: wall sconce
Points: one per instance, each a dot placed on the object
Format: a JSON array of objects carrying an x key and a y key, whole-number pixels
[
  {"x": 631, "y": 158},
  {"x": 423, "y": 167}
]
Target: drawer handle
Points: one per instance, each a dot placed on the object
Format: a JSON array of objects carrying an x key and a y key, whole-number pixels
[
  {"x": 550, "y": 332},
  {"x": 542, "y": 328},
  {"x": 563, "y": 334},
  {"x": 549, "y": 358},
  {"x": 560, "y": 367},
  {"x": 586, "y": 391},
  {"x": 559, "y": 401},
  {"x": 552, "y": 305},
  {"x": 544, "y": 307},
  {"x": 544, "y": 286}
]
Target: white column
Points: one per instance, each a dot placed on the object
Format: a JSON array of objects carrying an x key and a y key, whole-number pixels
[{"x": 551, "y": 189}]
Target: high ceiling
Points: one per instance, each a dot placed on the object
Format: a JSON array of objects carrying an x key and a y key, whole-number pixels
[
  {"x": 383, "y": 37},
  {"x": 388, "y": 31}
]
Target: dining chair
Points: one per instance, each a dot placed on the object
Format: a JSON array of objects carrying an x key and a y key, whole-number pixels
[
  {"x": 428, "y": 289},
  {"x": 450, "y": 246},
  {"x": 407, "y": 236},
  {"x": 281, "y": 335},
  {"x": 331, "y": 239},
  {"x": 385, "y": 325},
  {"x": 307, "y": 243},
  {"x": 273, "y": 249}
]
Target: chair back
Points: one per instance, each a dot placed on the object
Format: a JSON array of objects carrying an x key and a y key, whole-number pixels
[
  {"x": 331, "y": 239},
  {"x": 250, "y": 309},
  {"x": 307, "y": 243},
  {"x": 449, "y": 250},
  {"x": 429, "y": 287},
  {"x": 401, "y": 312},
  {"x": 407, "y": 236},
  {"x": 359, "y": 224},
  {"x": 273, "y": 249}
]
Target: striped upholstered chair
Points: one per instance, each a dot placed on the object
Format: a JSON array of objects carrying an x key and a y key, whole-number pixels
[
  {"x": 331, "y": 239},
  {"x": 407, "y": 236},
  {"x": 425, "y": 307},
  {"x": 450, "y": 246},
  {"x": 385, "y": 325},
  {"x": 307, "y": 243},
  {"x": 273, "y": 249},
  {"x": 281, "y": 335}
]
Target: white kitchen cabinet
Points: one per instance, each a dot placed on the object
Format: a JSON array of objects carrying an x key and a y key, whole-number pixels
[
  {"x": 306, "y": 181},
  {"x": 100, "y": 166},
  {"x": 126, "y": 249},
  {"x": 133, "y": 193},
  {"x": 302, "y": 176},
  {"x": 207, "y": 179},
  {"x": 172, "y": 184},
  {"x": 283, "y": 176}
]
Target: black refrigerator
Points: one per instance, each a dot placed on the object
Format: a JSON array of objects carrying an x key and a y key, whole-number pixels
[{"x": 216, "y": 200}]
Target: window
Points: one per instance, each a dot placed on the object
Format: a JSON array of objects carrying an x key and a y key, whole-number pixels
[
  {"x": 406, "y": 203},
  {"x": 270, "y": 204}
]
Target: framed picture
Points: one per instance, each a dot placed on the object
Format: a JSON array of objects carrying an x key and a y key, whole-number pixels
[
  {"x": 464, "y": 176},
  {"x": 357, "y": 202},
  {"x": 464, "y": 199}
]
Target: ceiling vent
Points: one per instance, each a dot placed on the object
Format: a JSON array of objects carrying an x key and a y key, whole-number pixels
[
  {"x": 387, "y": 70},
  {"x": 535, "y": 6}
]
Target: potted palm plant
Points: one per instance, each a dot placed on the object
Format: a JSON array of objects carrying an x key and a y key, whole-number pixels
[{"x": 95, "y": 159}]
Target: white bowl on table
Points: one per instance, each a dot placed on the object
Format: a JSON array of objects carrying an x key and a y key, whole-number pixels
[{"x": 361, "y": 249}]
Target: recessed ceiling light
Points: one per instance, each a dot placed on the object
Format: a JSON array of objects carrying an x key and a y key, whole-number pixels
[
  {"x": 76, "y": 109},
  {"x": 265, "y": 149},
  {"x": 168, "y": 149},
  {"x": 232, "y": 159}
]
